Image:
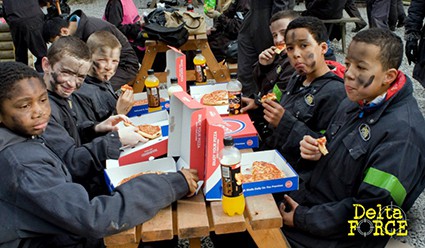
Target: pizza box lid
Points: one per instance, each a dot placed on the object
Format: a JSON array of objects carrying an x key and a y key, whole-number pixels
[
  {"x": 242, "y": 130},
  {"x": 198, "y": 91},
  {"x": 289, "y": 183}
]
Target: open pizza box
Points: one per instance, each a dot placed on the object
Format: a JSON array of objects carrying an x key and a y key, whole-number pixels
[
  {"x": 176, "y": 66},
  {"x": 114, "y": 173},
  {"x": 198, "y": 91},
  {"x": 288, "y": 183},
  {"x": 242, "y": 130},
  {"x": 151, "y": 149},
  {"x": 140, "y": 106}
]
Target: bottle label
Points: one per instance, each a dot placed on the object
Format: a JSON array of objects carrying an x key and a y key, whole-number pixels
[
  {"x": 231, "y": 186},
  {"x": 153, "y": 97},
  {"x": 201, "y": 76},
  {"x": 235, "y": 102}
]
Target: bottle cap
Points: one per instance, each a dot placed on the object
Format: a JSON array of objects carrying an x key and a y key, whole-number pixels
[
  {"x": 198, "y": 51},
  {"x": 151, "y": 72},
  {"x": 228, "y": 141},
  {"x": 174, "y": 80},
  {"x": 233, "y": 75},
  {"x": 189, "y": 7}
]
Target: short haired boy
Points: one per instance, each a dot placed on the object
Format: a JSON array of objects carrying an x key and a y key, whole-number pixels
[
  {"x": 82, "y": 26},
  {"x": 312, "y": 95},
  {"x": 99, "y": 101},
  {"x": 40, "y": 204},
  {"x": 376, "y": 144}
]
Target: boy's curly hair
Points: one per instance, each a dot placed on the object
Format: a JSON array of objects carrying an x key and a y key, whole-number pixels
[
  {"x": 314, "y": 26},
  {"x": 391, "y": 45},
  {"x": 10, "y": 73}
]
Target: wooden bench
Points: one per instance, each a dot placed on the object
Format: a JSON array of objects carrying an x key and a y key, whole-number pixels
[{"x": 342, "y": 25}]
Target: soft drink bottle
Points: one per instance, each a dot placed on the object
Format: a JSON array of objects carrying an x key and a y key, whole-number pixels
[
  {"x": 174, "y": 87},
  {"x": 200, "y": 65},
  {"x": 233, "y": 200},
  {"x": 234, "y": 89},
  {"x": 152, "y": 90}
]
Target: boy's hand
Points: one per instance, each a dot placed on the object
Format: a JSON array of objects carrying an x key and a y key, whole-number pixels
[
  {"x": 310, "y": 148},
  {"x": 412, "y": 51},
  {"x": 273, "y": 112},
  {"x": 129, "y": 137},
  {"x": 125, "y": 102},
  {"x": 287, "y": 210},
  {"x": 249, "y": 104},
  {"x": 267, "y": 56},
  {"x": 192, "y": 179},
  {"x": 109, "y": 124}
]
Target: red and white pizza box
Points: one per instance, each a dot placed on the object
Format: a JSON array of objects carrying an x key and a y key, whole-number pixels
[
  {"x": 214, "y": 133},
  {"x": 198, "y": 91},
  {"x": 114, "y": 173},
  {"x": 151, "y": 149},
  {"x": 187, "y": 132},
  {"x": 141, "y": 109},
  {"x": 242, "y": 130},
  {"x": 176, "y": 66},
  {"x": 288, "y": 183}
]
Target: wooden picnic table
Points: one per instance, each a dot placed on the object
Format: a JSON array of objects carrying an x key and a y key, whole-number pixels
[{"x": 194, "y": 218}]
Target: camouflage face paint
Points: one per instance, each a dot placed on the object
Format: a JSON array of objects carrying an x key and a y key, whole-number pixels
[{"x": 362, "y": 82}]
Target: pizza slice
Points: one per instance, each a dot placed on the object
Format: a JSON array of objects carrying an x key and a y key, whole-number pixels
[
  {"x": 215, "y": 98},
  {"x": 137, "y": 175},
  {"x": 322, "y": 145},
  {"x": 149, "y": 131},
  {"x": 126, "y": 87},
  {"x": 270, "y": 96},
  {"x": 261, "y": 171},
  {"x": 280, "y": 48},
  {"x": 145, "y": 102}
]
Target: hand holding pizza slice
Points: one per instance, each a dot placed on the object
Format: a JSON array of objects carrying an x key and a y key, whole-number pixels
[
  {"x": 269, "y": 96},
  {"x": 280, "y": 48},
  {"x": 322, "y": 145}
]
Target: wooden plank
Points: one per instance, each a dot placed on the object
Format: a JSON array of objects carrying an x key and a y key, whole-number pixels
[
  {"x": 223, "y": 223},
  {"x": 262, "y": 212},
  {"x": 6, "y": 45},
  {"x": 267, "y": 237},
  {"x": 131, "y": 236},
  {"x": 160, "y": 227},
  {"x": 4, "y": 27},
  {"x": 5, "y": 36},
  {"x": 342, "y": 20},
  {"x": 192, "y": 219},
  {"x": 7, "y": 54}
]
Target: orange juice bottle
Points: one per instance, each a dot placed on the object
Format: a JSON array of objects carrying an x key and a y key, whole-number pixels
[
  {"x": 233, "y": 200},
  {"x": 200, "y": 65},
  {"x": 152, "y": 90}
]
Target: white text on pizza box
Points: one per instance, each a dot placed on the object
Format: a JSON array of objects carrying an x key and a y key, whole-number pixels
[
  {"x": 114, "y": 173},
  {"x": 242, "y": 130},
  {"x": 176, "y": 66},
  {"x": 187, "y": 132},
  {"x": 288, "y": 183},
  {"x": 153, "y": 148},
  {"x": 198, "y": 91},
  {"x": 140, "y": 106}
]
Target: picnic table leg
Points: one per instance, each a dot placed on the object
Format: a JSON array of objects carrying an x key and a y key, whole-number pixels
[
  {"x": 195, "y": 243},
  {"x": 343, "y": 33},
  {"x": 148, "y": 59},
  {"x": 265, "y": 238}
]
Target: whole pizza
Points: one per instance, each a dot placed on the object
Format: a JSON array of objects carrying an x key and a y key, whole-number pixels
[
  {"x": 261, "y": 171},
  {"x": 216, "y": 98}
]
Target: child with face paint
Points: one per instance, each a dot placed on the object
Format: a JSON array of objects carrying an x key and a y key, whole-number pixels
[
  {"x": 99, "y": 101},
  {"x": 313, "y": 92},
  {"x": 376, "y": 144},
  {"x": 41, "y": 205}
]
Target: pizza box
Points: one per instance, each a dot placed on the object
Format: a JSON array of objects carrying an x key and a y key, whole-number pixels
[
  {"x": 288, "y": 183},
  {"x": 151, "y": 149},
  {"x": 142, "y": 109},
  {"x": 198, "y": 91},
  {"x": 114, "y": 173},
  {"x": 187, "y": 132},
  {"x": 176, "y": 66},
  {"x": 214, "y": 144},
  {"x": 242, "y": 130}
]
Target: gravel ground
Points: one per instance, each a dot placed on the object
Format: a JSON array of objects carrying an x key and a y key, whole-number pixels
[{"x": 416, "y": 216}]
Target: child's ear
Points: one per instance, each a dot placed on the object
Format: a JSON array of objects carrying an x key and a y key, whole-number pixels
[
  {"x": 45, "y": 64},
  {"x": 64, "y": 31},
  {"x": 324, "y": 47},
  {"x": 390, "y": 76}
]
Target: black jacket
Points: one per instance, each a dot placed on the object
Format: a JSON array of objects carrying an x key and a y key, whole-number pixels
[
  {"x": 386, "y": 143},
  {"x": 414, "y": 27},
  {"x": 16, "y": 10},
  {"x": 308, "y": 110}
]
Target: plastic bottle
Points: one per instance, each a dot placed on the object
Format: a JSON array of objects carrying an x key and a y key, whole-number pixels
[
  {"x": 152, "y": 90},
  {"x": 208, "y": 5},
  {"x": 174, "y": 87},
  {"x": 200, "y": 65},
  {"x": 233, "y": 200},
  {"x": 234, "y": 89},
  {"x": 190, "y": 8}
]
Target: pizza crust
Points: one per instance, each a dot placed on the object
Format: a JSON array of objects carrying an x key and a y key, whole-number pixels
[{"x": 322, "y": 145}]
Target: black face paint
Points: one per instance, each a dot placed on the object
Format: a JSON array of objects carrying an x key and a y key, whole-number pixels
[
  {"x": 55, "y": 80},
  {"x": 362, "y": 82}
]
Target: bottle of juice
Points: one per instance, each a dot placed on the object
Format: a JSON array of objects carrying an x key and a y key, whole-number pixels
[
  {"x": 208, "y": 5},
  {"x": 234, "y": 89},
  {"x": 152, "y": 90},
  {"x": 233, "y": 200},
  {"x": 174, "y": 87},
  {"x": 200, "y": 64}
]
